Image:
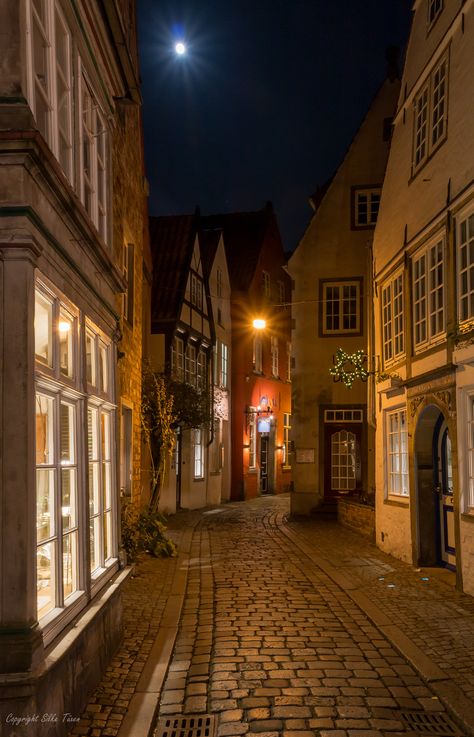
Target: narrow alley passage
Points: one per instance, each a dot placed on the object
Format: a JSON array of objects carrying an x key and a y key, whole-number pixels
[
  {"x": 270, "y": 626},
  {"x": 270, "y": 643}
]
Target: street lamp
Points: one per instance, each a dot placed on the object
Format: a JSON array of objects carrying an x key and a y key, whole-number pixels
[{"x": 259, "y": 323}]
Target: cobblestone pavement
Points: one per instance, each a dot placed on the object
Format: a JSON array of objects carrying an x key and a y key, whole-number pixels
[{"x": 273, "y": 642}]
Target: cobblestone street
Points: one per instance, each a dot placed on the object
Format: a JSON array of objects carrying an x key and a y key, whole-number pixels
[{"x": 295, "y": 628}]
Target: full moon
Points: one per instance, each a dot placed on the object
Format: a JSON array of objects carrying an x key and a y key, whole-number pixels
[{"x": 180, "y": 48}]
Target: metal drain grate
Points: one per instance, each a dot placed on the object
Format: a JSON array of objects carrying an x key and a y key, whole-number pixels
[
  {"x": 195, "y": 725},
  {"x": 429, "y": 723}
]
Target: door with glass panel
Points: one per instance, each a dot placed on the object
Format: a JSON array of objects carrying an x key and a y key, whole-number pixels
[
  {"x": 342, "y": 453},
  {"x": 444, "y": 491}
]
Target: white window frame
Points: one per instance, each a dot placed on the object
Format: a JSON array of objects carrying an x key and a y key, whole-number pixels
[
  {"x": 396, "y": 458},
  {"x": 224, "y": 365},
  {"x": 56, "y": 467},
  {"x": 428, "y": 294},
  {"x": 198, "y": 452},
  {"x": 465, "y": 266},
  {"x": 93, "y": 134},
  {"x": 333, "y": 293},
  {"x": 57, "y": 132},
  {"x": 80, "y": 393},
  {"x": 430, "y": 110},
  {"x": 393, "y": 318},
  {"x": 368, "y": 199},
  {"x": 275, "y": 357}
]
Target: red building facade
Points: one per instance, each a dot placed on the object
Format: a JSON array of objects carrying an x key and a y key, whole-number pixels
[{"x": 261, "y": 363}]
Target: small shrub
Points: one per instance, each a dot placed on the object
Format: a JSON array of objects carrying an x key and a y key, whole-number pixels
[{"x": 144, "y": 532}]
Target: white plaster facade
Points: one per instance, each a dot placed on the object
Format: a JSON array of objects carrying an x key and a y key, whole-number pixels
[{"x": 423, "y": 264}]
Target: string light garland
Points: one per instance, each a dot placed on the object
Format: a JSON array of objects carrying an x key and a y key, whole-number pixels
[{"x": 348, "y": 367}]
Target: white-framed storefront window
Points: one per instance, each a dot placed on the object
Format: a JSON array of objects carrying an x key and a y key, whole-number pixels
[{"x": 75, "y": 455}]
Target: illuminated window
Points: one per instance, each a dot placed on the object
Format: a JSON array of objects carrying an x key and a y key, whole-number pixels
[
  {"x": 224, "y": 365},
  {"x": 397, "y": 453},
  {"x": 198, "y": 446},
  {"x": 201, "y": 366},
  {"x": 73, "y": 494}
]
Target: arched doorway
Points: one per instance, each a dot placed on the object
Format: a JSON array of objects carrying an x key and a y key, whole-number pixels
[{"x": 434, "y": 488}]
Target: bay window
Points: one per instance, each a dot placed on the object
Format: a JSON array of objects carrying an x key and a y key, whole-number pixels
[{"x": 74, "y": 428}]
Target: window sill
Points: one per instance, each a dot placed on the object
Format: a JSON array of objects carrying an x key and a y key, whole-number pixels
[{"x": 393, "y": 501}]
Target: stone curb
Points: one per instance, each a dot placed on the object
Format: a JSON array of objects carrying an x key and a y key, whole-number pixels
[{"x": 448, "y": 692}]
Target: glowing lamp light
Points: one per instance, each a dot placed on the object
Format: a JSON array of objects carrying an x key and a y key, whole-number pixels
[
  {"x": 180, "y": 48},
  {"x": 63, "y": 326},
  {"x": 259, "y": 323}
]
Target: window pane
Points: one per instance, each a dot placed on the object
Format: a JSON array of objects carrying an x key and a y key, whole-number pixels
[
  {"x": 68, "y": 492},
  {"x": 66, "y": 334},
  {"x": 43, "y": 329},
  {"x": 94, "y": 527},
  {"x": 45, "y": 582},
  {"x": 69, "y": 564},
  {"x": 90, "y": 359},
  {"x": 44, "y": 430},
  {"x": 45, "y": 485},
  {"x": 67, "y": 430},
  {"x": 107, "y": 535},
  {"x": 103, "y": 368}
]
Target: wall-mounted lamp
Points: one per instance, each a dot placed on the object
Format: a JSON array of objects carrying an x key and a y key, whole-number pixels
[{"x": 259, "y": 323}]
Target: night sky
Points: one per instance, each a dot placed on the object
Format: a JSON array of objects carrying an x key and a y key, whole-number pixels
[{"x": 264, "y": 104}]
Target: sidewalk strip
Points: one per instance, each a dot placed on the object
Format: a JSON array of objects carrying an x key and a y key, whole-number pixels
[{"x": 143, "y": 707}]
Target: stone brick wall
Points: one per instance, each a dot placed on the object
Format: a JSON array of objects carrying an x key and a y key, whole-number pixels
[
  {"x": 130, "y": 228},
  {"x": 357, "y": 517}
]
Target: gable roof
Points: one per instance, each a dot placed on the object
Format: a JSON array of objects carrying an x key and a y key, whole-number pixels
[
  {"x": 244, "y": 233},
  {"x": 172, "y": 240}
]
